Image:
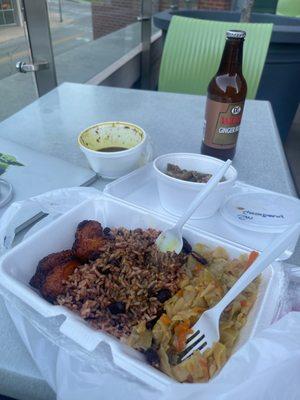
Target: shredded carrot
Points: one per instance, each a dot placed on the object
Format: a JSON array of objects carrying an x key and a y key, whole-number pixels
[
  {"x": 252, "y": 257},
  {"x": 182, "y": 326},
  {"x": 198, "y": 267},
  {"x": 165, "y": 319},
  {"x": 198, "y": 309},
  {"x": 244, "y": 303},
  {"x": 181, "y": 331}
]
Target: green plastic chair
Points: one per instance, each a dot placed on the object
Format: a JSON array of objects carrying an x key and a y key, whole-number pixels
[
  {"x": 290, "y": 8},
  {"x": 193, "y": 50}
]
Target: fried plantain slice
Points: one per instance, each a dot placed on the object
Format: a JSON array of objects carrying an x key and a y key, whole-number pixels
[
  {"x": 52, "y": 271},
  {"x": 54, "y": 282},
  {"x": 89, "y": 240},
  {"x": 47, "y": 264}
]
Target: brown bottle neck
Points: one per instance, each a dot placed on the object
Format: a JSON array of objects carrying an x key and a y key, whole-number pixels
[{"x": 232, "y": 58}]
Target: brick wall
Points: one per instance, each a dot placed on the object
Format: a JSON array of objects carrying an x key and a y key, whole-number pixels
[
  {"x": 111, "y": 15},
  {"x": 198, "y": 4}
]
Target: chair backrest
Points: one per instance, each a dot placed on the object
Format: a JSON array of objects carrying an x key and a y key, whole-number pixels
[
  {"x": 290, "y": 8},
  {"x": 193, "y": 50}
]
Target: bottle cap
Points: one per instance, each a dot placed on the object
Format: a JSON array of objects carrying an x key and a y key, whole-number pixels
[{"x": 235, "y": 34}]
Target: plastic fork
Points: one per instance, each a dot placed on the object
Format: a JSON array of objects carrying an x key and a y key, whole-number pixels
[
  {"x": 206, "y": 329},
  {"x": 171, "y": 239}
]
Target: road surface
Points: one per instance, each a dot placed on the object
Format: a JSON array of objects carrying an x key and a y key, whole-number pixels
[{"x": 75, "y": 30}]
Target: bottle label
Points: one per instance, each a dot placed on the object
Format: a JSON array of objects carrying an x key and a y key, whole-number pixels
[{"x": 222, "y": 124}]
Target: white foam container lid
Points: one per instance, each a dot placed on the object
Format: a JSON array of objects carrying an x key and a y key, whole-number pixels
[
  {"x": 139, "y": 188},
  {"x": 262, "y": 212},
  {"x": 19, "y": 264}
]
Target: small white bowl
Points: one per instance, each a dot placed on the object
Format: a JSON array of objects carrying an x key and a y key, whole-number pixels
[
  {"x": 176, "y": 195},
  {"x": 112, "y": 165}
]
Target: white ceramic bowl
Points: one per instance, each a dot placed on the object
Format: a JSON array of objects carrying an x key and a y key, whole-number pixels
[
  {"x": 176, "y": 195},
  {"x": 111, "y": 165}
]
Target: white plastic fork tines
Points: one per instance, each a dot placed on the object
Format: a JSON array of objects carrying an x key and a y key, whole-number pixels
[{"x": 206, "y": 330}]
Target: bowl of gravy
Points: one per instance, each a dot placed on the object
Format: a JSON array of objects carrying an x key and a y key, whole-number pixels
[{"x": 114, "y": 149}]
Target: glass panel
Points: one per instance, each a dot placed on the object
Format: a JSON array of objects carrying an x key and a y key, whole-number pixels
[
  {"x": 6, "y": 12},
  {"x": 156, "y": 7},
  {"x": 17, "y": 90},
  {"x": 92, "y": 35},
  {"x": 197, "y": 4},
  {"x": 9, "y": 17},
  {"x": 6, "y": 5},
  {"x": 162, "y": 5}
]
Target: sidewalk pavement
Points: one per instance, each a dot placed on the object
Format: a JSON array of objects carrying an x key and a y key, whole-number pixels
[
  {"x": 10, "y": 32},
  {"x": 14, "y": 32}
]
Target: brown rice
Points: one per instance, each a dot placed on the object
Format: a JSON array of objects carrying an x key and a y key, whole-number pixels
[{"x": 130, "y": 271}]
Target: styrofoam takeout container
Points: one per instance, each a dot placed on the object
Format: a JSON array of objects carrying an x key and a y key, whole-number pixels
[
  {"x": 18, "y": 265},
  {"x": 6, "y": 192},
  {"x": 140, "y": 188},
  {"x": 111, "y": 165},
  {"x": 175, "y": 194}
]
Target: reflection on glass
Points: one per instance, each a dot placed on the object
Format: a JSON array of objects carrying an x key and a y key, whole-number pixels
[
  {"x": 6, "y": 5},
  {"x": 6, "y": 12},
  {"x": 9, "y": 17},
  {"x": 17, "y": 90},
  {"x": 92, "y": 35}
]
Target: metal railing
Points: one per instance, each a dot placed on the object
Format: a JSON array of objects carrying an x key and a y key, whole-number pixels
[
  {"x": 39, "y": 37},
  {"x": 39, "y": 14}
]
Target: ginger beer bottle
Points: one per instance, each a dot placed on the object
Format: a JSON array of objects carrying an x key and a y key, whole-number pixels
[{"x": 225, "y": 100}]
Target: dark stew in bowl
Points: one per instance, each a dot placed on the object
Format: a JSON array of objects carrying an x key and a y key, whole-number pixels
[{"x": 185, "y": 175}]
